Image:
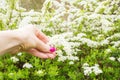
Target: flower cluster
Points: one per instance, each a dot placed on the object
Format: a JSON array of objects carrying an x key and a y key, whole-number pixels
[
  {"x": 113, "y": 59},
  {"x": 93, "y": 69},
  {"x": 64, "y": 47},
  {"x": 27, "y": 65},
  {"x": 14, "y": 59}
]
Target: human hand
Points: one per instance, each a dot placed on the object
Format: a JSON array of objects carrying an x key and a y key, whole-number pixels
[{"x": 35, "y": 42}]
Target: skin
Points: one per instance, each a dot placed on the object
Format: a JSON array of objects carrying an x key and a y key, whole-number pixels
[{"x": 28, "y": 39}]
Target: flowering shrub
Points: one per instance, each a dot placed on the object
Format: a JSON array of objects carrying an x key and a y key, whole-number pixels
[{"x": 85, "y": 32}]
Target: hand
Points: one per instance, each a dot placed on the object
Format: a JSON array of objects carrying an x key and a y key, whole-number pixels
[{"x": 35, "y": 42}]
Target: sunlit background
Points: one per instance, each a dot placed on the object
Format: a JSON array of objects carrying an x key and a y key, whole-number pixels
[{"x": 32, "y": 4}]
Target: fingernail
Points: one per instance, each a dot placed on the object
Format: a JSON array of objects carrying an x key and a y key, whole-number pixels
[{"x": 52, "y": 49}]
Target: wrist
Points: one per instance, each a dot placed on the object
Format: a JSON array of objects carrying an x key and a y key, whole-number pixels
[
  {"x": 10, "y": 41},
  {"x": 19, "y": 38}
]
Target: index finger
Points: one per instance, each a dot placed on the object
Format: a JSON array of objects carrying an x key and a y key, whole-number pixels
[{"x": 42, "y": 36}]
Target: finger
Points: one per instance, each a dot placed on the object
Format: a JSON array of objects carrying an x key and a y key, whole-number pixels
[
  {"x": 42, "y": 36},
  {"x": 39, "y": 54},
  {"x": 41, "y": 46},
  {"x": 36, "y": 53},
  {"x": 52, "y": 56}
]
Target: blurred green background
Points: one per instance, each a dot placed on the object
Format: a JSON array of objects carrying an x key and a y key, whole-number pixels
[{"x": 32, "y": 4}]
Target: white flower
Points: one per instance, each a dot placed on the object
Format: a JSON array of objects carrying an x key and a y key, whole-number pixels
[
  {"x": 108, "y": 50},
  {"x": 14, "y": 59},
  {"x": 107, "y": 29},
  {"x": 104, "y": 42},
  {"x": 85, "y": 65},
  {"x": 59, "y": 52},
  {"x": 96, "y": 69},
  {"x": 73, "y": 58},
  {"x": 89, "y": 42},
  {"x": 25, "y": 21},
  {"x": 3, "y": 4},
  {"x": 19, "y": 54},
  {"x": 56, "y": 3},
  {"x": 30, "y": 13},
  {"x": 82, "y": 3},
  {"x": 67, "y": 49},
  {"x": 96, "y": 65},
  {"x": 118, "y": 59},
  {"x": 116, "y": 35},
  {"x": 116, "y": 43},
  {"x": 112, "y": 58},
  {"x": 88, "y": 70},
  {"x": 27, "y": 65},
  {"x": 62, "y": 58},
  {"x": 71, "y": 62},
  {"x": 39, "y": 72},
  {"x": 81, "y": 35}
]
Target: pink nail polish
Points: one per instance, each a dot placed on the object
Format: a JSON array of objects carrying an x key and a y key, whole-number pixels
[{"x": 52, "y": 49}]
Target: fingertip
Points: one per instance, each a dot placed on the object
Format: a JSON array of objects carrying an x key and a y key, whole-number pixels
[{"x": 52, "y": 56}]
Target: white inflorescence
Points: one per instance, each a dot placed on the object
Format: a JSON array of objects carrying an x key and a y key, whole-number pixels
[
  {"x": 67, "y": 47},
  {"x": 112, "y": 58},
  {"x": 93, "y": 69},
  {"x": 27, "y": 65},
  {"x": 118, "y": 59},
  {"x": 39, "y": 71},
  {"x": 19, "y": 54},
  {"x": 14, "y": 59}
]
